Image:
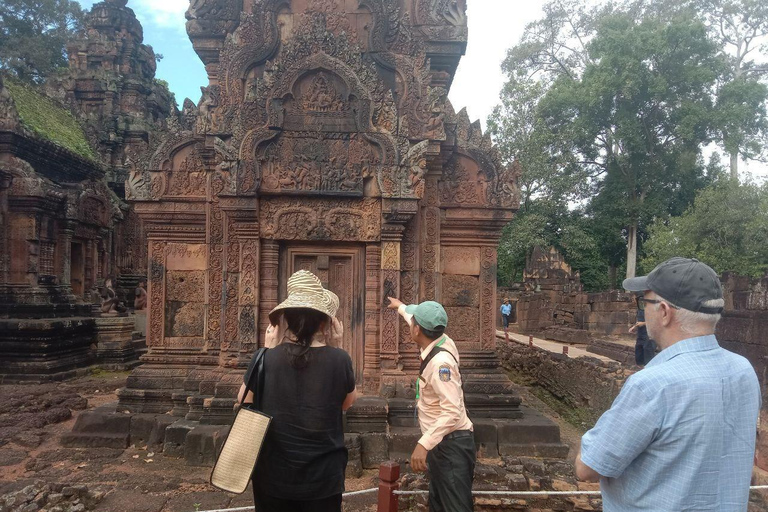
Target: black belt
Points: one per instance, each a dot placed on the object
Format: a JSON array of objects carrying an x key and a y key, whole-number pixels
[{"x": 458, "y": 433}]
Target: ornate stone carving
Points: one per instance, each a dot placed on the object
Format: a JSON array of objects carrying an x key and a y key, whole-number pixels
[
  {"x": 487, "y": 297},
  {"x": 295, "y": 219}
]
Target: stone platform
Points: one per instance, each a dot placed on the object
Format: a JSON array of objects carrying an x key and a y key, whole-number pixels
[
  {"x": 370, "y": 435},
  {"x": 49, "y": 349}
]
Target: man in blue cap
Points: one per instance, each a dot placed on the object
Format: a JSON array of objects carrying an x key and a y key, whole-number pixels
[
  {"x": 447, "y": 444},
  {"x": 681, "y": 434}
]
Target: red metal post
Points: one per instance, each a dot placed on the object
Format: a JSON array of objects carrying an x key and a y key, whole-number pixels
[
  {"x": 565, "y": 349},
  {"x": 389, "y": 474}
]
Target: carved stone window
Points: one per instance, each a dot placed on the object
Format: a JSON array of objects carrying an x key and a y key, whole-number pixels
[{"x": 47, "y": 251}]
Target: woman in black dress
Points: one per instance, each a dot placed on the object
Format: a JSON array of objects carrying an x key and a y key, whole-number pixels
[{"x": 308, "y": 384}]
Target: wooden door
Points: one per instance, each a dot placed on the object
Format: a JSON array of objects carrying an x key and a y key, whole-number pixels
[{"x": 340, "y": 270}]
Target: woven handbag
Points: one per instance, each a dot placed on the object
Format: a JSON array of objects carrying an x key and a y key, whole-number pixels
[{"x": 240, "y": 452}]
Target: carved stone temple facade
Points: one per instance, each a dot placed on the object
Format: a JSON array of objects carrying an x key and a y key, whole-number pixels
[
  {"x": 324, "y": 141},
  {"x": 65, "y": 228}
]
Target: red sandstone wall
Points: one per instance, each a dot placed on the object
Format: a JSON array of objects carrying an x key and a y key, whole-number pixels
[
  {"x": 744, "y": 330},
  {"x": 606, "y": 313}
]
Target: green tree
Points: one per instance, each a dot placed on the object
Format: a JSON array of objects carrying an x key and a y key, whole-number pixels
[
  {"x": 34, "y": 34},
  {"x": 638, "y": 115},
  {"x": 726, "y": 227}
]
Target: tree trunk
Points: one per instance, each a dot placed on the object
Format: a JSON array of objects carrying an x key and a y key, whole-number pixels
[
  {"x": 612, "y": 276},
  {"x": 632, "y": 251},
  {"x": 735, "y": 166}
]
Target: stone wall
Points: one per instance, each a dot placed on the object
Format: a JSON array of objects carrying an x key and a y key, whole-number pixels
[
  {"x": 586, "y": 383},
  {"x": 560, "y": 313},
  {"x": 744, "y": 330}
]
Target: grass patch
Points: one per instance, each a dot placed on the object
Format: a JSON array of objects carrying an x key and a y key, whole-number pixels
[
  {"x": 579, "y": 418},
  {"x": 47, "y": 120}
]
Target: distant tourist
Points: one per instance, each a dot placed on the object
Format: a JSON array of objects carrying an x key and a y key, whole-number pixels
[
  {"x": 308, "y": 384},
  {"x": 447, "y": 445},
  {"x": 645, "y": 347},
  {"x": 506, "y": 312},
  {"x": 681, "y": 434}
]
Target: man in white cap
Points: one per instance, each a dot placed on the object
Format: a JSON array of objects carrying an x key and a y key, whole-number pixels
[
  {"x": 447, "y": 444},
  {"x": 681, "y": 434}
]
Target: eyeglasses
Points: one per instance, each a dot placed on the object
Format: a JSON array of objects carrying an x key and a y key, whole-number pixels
[{"x": 642, "y": 301}]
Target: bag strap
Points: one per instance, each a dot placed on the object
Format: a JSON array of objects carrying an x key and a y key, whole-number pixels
[
  {"x": 436, "y": 350},
  {"x": 254, "y": 377}
]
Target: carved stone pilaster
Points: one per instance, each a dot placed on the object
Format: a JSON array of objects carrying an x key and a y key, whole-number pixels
[
  {"x": 430, "y": 241},
  {"x": 270, "y": 257},
  {"x": 488, "y": 270},
  {"x": 373, "y": 306},
  {"x": 156, "y": 292},
  {"x": 390, "y": 320}
]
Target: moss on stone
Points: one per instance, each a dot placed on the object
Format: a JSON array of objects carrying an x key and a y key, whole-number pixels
[{"x": 49, "y": 121}]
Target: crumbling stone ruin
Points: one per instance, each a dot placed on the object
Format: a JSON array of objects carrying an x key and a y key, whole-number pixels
[{"x": 65, "y": 227}]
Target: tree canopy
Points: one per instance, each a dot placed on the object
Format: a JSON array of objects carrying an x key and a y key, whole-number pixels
[
  {"x": 34, "y": 34},
  {"x": 727, "y": 226},
  {"x": 608, "y": 109}
]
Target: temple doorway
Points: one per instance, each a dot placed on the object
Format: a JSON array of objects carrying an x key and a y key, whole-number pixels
[
  {"x": 77, "y": 265},
  {"x": 341, "y": 270}
]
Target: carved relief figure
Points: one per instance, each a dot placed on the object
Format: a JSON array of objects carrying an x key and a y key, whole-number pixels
[
  {"x": 322, "y": 95},
  {"x": 110, "y": 304},
  {"x": 140, "y": 302}
]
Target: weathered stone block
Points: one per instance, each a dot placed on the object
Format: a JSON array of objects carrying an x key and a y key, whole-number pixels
[
  {"x": 461, "y": 260},
  {"x": 402, "y": 441},
  {"x": 367, "y": 414},
  {"x": 464, "y": 323},
  {"x": 175, "y": 436},
  {"x": 461, "y": 291},
  {"x": 486, "y": 438},
  {"x": 99, "y": 429},
  {"x": 375, "y": 449},
  {"x": 202, "y": 444},
  {"x": 354, "y": 462}
]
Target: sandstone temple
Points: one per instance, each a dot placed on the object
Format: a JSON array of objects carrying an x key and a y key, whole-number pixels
[{"x": 324, "y": 140}]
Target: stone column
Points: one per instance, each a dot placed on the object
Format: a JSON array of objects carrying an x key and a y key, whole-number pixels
[{"x": 270, "y": 258}]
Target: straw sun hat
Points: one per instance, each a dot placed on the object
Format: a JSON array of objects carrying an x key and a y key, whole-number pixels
[{"x": 306, "y": 291}]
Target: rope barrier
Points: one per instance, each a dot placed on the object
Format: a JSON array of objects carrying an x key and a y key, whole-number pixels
[
  {"x": 250, "y": 509},
  {"x": 474, "y": 493}
]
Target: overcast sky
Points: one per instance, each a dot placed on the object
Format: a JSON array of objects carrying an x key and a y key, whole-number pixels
[{"x": 494, "y": 26}]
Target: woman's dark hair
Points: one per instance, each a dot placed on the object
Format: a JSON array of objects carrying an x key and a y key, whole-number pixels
[{"x": 304, "y": 323}]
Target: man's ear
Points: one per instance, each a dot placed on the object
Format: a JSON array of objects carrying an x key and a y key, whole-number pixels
[{"x": 668, "y": 315}]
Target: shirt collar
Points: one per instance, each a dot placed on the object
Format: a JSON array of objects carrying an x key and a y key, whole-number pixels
[
  {"x": 698, "y": 344},
  {"x": 426, "y": 351}
]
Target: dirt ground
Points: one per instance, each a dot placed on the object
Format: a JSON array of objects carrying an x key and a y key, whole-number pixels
[{"x": 32, "y": 417}]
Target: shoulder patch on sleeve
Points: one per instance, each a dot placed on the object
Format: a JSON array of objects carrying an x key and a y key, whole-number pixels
[{"x": 444, "y": 372}]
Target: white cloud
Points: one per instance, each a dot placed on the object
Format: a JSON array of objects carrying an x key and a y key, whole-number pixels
[{"x": 162, "y": 13}]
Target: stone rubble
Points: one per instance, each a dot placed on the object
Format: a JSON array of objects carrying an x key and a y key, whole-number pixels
[{"x": 50, "y": 497}]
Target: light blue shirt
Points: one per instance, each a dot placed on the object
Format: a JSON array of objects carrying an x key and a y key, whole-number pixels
[
  {"x": 680, "y": 435},
  {"x": 506, "y": 309}
]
